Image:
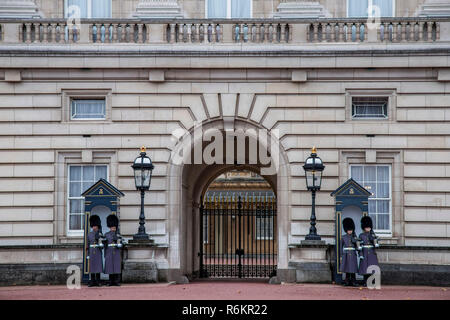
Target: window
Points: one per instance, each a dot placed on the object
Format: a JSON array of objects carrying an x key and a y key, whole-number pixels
[
  {"x": 80, "y": 179},
  {"x": 87, "y": 109},
  {"x": 370, "y": 107},
  {"x": 377, "y": 180},
  {"x": 87, "y": 8},
  {"x": 228, "y": 8},
  {"x": 360, "y": 8},
  {"x": 264, "y": 227}
]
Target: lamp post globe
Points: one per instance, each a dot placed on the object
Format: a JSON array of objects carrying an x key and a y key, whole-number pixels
[
  {"x": 313, "y": 173},
  {"x": 143, "y": 168}
]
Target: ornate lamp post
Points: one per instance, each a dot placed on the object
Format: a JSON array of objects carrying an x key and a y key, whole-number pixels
[
  {"x": 143, "y": 168},
  {"x": 313, "y": 172}
]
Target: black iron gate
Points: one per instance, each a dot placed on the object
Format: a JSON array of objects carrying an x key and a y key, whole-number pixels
[{"x": 238, "y": 237}]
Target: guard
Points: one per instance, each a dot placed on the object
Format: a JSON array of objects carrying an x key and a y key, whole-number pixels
[
  {"x": 94, "y": 247},
  {"x": 369, "y": 241},
  {"x": 113, "y": 261},
  {"x": 349, "y": 241}
]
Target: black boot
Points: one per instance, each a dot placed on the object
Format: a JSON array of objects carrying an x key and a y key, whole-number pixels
[
  {"x": 91, "y": 282},
  {"x": 347, "y": 280},
  {"x": 353, "y": 280},
  {"x": 111, "y": 280},
  {"x": 117, "y": 280},
  {"x": 366, "y": 276},
  {"x": 98, "y": 281}
]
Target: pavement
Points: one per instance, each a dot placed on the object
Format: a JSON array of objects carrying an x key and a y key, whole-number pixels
[{"x": 224, "y": 290}]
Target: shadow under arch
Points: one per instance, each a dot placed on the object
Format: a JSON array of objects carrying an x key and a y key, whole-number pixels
[{"x": 187, "y": 182}]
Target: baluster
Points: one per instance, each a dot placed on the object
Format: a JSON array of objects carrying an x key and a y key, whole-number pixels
[
  {"x": 172, "y": 33},
  {"x": 332, "y": 32},
  {"x": 213, "y": 33},
  {"x": 283, "y": 33},
  {"x": 197, "y": 33},
  {"x": 274, "y": 32},
  {"x": 404, "y": 33},
  {"x": 45, "y": 32},
  {"x": 140, "y": 33},
  {"x": 93, "y": 27},
  {"x": 114, "y": 32},
  {"x": 421, "y": 23},
  {"x": 51, "y": 32},
  {"x": 28, "y": 32},
  {"x": 358, "y": 32},
  {"x": 315, "y": 32},
  {"x": 349, "y": 32},
  {"x": 267, "y": 32},
  {"x": 429, "y": 31},
  {"x": 412, "y": 30},
  {"x": 205, "y": 33},
  {"x": 340, "y": 31},
  {"x": 438, "y": 31}
]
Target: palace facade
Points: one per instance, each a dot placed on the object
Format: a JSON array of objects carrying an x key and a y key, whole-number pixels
[{"x": 84, "y": 84}]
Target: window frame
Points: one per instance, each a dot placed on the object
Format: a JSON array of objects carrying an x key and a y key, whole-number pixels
[
  {"x": 87, "y": 94},
  {"x": 361, "y": 92},
  {"x": 228, "y": 11},
  {"x": 384, "y": 232},
  {"x": 372, "y": 117},
  {"x": 86, "y": 119},
  {"x": 89, "y": 10},
  {"x": 73, "y": 232},
  {"x": 370, "y": 4}
]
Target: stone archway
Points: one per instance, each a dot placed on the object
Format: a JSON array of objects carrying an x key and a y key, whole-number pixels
[{"x": 186, "y": 184}]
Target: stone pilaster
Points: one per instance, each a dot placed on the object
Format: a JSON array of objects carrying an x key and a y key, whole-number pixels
[
  {"x": 300, "y": 9},
  {"x": 434, "y": 8},
  {"x": 19, "y": 9},
  {"x": 158, "y": 9}
]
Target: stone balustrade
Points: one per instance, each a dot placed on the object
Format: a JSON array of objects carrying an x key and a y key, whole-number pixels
[
  {"x": 178, "y": 31},
  {"x": 394, "y": 30}
]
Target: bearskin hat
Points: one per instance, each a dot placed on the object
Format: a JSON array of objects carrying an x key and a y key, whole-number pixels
[
  {"x": 112, "y": 221},
  {"x": 95, "y": 221},
  {"x": 348, "y": 224},
  {"x": 366, "y": 222}
]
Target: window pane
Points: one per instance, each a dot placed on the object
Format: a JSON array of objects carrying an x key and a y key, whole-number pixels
[
  {"x": 357, "y": 173},
  {"x": 370, "y": 174},
  {"x": 75, "y": 222},
  {"x": 88, "y": 109},
  {"x": 75, "y": 189},
  {"x": 383, "y": 222},
  {"x": 369, "y": 107},
  {"x": 217, "y": 9},
  {"x": 88, "y": 173},
  {"x": 383, "y": 206},
  {"x": 385, "y": 7},
  {"x": 357, "y": 8},
  {"x": 101, "y": 9},
  {"x": 383, "y": 190},
  {"x": 383, "y": 174},
  {"x": 76, "y": 206},
  {"x": 240, "y": 8},
  {"x": 76, "y": 8},
  {"x": 75, "y": 173},
  {"x": 100, "y": 173}
]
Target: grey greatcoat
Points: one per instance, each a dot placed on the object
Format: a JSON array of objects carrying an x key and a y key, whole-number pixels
[
  {"x": 349, "y": 258},
  {"x": 113, "y": 261},
  {"x": 369, "y": 254},
  {"x": 95, "y": 254}
]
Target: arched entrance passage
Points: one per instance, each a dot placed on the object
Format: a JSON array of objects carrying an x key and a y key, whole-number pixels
[
  {"x": 188, "y": 182},
  {"x": 237, "y": 223}
]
